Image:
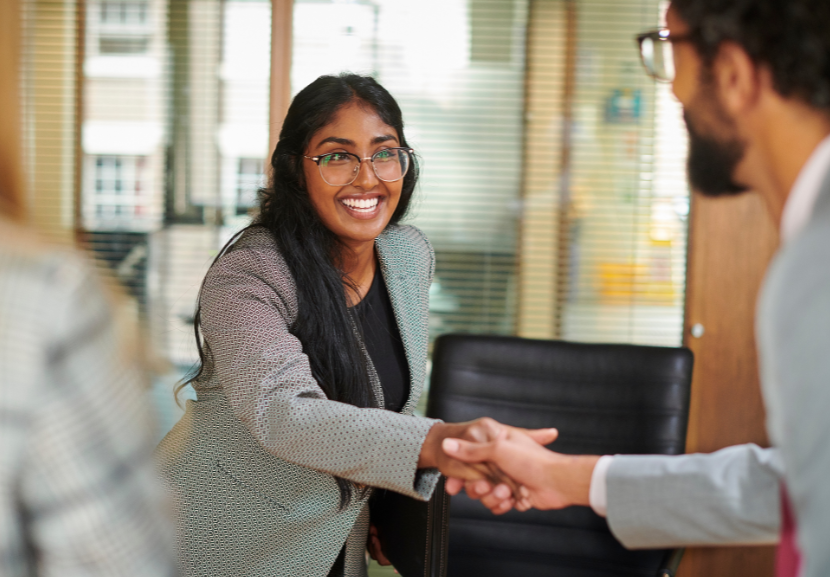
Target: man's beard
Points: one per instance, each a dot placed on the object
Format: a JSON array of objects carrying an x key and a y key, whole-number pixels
[{"x": 712, "y": 162}]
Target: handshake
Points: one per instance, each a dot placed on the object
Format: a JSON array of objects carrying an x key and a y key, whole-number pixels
[
  {"x": 502, "y": 466},
  {"x": 507, "y": 467}
]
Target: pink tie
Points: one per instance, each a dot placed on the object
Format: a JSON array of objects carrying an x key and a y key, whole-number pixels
[{"x": 788, "y": 562}]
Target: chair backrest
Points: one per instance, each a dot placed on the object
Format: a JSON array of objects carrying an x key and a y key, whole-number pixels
[{"x": 604, "y": 399}]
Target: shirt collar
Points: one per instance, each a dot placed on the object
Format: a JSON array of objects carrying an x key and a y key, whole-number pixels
[{"x": 805, "y": 192}]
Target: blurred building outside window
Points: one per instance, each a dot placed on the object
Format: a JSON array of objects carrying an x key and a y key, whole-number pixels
[
  {"x": 123, "y": 12},
  {"x": 174, "y": 138},
  {"x": 115, "y": 191},
  {"x": 124, "y": 26}
]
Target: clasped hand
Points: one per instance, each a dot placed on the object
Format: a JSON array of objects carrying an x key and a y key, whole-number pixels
[
  {"x": 504, "y": 467},
  {"x": 483, "y": 478},
  {"x": 541, "y": 478}
]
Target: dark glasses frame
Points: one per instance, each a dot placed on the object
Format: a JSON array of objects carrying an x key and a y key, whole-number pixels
[
  {"x": 319, "y": 158},
  {"x": 657, "y": 36}
]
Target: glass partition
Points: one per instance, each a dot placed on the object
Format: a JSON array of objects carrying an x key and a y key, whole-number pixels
[{"x": 606, "y": 200}]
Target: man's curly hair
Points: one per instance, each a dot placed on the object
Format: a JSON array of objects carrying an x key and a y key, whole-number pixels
[{"x": 791, "y": 37}]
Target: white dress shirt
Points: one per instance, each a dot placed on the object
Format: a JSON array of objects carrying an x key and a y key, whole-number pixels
[{"x": 797, "y": 211}]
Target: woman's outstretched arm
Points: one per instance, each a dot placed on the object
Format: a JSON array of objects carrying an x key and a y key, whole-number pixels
[{"x": 248, "y": 304}]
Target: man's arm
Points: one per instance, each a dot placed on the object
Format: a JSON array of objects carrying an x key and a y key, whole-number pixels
[
  {"x": 653, "y": 501},
  {"x": 727, "y": 497},
  {"x": 550, "y": 480}
]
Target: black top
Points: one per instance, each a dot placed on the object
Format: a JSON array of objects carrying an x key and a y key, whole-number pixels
[{"x": 383, "y": 342}]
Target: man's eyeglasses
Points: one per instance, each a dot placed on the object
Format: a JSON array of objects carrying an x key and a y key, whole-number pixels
[
  {"x": 342, "y": 168},
  {"x": 657, "y": 53}
]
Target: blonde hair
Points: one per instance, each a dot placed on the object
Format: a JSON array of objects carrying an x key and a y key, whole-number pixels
[{"x": 11, "y": 166}]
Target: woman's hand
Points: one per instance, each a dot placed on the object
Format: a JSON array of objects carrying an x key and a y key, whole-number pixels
[{"x": 374, "y": 548}]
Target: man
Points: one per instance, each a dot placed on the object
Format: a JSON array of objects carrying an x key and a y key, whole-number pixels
[{"x": 754, "y": 80}]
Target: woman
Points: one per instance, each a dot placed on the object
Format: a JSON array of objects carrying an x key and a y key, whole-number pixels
[{"x": 314, "y": 346}]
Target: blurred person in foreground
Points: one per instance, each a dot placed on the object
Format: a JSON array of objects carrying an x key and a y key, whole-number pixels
[
  {"x": 77, "y": 490},
  {"x": 754, "y": 80}
]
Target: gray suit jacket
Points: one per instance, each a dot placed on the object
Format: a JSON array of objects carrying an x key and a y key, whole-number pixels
[
  {"x": 732, "y": 496},
  {"x": 254, "y": 459}
]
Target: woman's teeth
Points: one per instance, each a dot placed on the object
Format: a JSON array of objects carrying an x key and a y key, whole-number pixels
[{"x": 366, "y": 204}]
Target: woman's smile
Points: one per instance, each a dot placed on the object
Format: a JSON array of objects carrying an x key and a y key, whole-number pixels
[{"x": 363, "y": 207}]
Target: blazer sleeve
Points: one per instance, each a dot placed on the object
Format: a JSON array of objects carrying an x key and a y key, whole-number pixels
[
  {"x": 727, "y": 497},
  {"x": 248, "y": 302}
]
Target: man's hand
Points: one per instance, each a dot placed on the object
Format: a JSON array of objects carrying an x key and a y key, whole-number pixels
[{"x": 549, "y": 480}]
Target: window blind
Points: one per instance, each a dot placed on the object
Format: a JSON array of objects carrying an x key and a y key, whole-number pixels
[
  {"x": 606, "y": 200},
  {"x": 50, "y": 101}
]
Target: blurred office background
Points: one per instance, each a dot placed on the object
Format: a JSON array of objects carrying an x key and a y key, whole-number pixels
[{"x": 553, "y": 181}]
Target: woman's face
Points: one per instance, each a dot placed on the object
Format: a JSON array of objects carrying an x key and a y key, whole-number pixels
[{"x": 358, "y": 212}]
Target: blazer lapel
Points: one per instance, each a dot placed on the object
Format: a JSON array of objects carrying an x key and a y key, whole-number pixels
[{"x": 411, "y": 311}]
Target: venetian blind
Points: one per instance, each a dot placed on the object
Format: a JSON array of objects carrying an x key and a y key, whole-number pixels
[
  {"x": 604, "y": 235},
  {"x": 49, "y": 99}
]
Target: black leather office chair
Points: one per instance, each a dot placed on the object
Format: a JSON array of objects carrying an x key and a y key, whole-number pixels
[{"x": 604, "y": 399}]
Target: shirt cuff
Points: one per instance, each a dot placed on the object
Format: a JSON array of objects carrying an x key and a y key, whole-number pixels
[{"x": 598, "y": 493}]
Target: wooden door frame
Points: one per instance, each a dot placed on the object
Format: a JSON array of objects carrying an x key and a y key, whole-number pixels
[{"x": 282, "y": 19}]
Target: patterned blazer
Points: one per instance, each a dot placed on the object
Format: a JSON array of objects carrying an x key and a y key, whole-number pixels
[
  {"x": 78, "y": 493},
  {"x": 253, "y": 460}
]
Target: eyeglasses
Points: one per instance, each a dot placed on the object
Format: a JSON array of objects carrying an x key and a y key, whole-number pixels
[
  {"x": 657, "y": 53},
  {"x": 342, "y": 168}
]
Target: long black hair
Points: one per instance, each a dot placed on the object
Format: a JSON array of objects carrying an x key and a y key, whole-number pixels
[{"x": 324, "y": 324}]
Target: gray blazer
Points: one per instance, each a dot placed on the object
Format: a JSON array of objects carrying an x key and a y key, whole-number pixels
[
  {"x": 732, "y": 496},
  {"x": 253, "y": 461}
]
